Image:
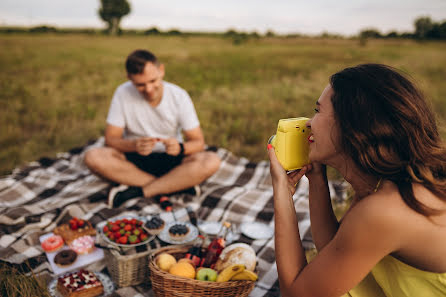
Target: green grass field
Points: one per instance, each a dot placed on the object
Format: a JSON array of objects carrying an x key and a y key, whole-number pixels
[{"x": 55, "y": 90}]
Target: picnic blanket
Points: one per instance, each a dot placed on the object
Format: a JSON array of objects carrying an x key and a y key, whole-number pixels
[{"x": 36, "y": 198}]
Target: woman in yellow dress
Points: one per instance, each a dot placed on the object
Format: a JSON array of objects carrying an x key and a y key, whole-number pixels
[{"x": 376, "y": 129}]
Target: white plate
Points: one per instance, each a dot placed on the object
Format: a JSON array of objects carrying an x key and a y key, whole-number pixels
[
  {"x": 210, "y": 228},
  {"x": 257, "y": 230},
  {"x": 109, "y": 287},
  {"x": 82, "y": 260},
  {"x": 164, "y": 235},
  {"x": 100, "y": 227}
]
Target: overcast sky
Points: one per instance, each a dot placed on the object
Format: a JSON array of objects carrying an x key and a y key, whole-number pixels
[{"x": 281, "y": 16}]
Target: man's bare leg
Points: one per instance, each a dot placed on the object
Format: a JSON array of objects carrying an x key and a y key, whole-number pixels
[
  {"x": 192, "y": 171},
  {"x": 113, "y": 165}
]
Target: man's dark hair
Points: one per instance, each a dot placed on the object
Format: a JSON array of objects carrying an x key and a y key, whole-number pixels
[{"x": 138, "y": 59}]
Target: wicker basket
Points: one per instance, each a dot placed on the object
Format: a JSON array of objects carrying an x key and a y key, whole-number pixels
[
  {"x": 128, "y": 270},
  {"x": 165, "y": 284}
]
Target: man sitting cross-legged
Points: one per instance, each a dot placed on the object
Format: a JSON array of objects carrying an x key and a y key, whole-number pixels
[{"x": 144, "y": 149}]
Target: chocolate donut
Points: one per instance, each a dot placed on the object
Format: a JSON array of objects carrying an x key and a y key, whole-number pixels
[{"x": 65, "y": 258}]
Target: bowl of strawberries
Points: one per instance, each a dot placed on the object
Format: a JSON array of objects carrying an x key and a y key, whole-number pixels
[{"x": 125, "y": 231}]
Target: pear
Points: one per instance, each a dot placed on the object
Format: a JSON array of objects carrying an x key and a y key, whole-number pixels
[{"x": 165, "y": 261}]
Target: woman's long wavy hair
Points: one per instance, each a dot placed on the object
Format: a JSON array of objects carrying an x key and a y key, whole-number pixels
[{"x": 389, "y": 130}]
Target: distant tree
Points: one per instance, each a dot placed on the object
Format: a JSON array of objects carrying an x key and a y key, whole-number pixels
[
  {"x": 42, "y": 29},
  {"x": 392, "y": 34},
  {"x": 270, "y": 33},
  {"x": 422, "y": 26},
  {"x": 152, "y": 31},
  {"x": 174, "y": 32},
  {"x": 111, "y": 11},
  {"x": 370, "y": 33},
  {"x": 438, "y": 31}
]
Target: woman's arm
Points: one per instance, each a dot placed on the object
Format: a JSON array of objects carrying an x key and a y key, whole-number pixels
[
  {"x": 324, "y": 223},
  {"x": 367, "y": 234}
]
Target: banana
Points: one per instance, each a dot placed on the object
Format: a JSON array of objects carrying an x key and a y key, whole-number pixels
[
  {"x": 226, "y": 274},
  {"x": 245, "y": 275}
]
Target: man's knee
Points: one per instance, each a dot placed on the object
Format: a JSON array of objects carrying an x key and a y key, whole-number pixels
[
  {"x": 211, "y": 162},
  {"x": 92, "y": 158}
]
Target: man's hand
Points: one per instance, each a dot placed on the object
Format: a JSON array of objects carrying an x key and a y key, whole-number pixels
[
  {"x": 144, "y": 145},
  {"x": 172, "y": 146}
]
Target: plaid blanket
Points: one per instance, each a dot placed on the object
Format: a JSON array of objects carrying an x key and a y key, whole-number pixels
[{"x": 38, "y": 197}]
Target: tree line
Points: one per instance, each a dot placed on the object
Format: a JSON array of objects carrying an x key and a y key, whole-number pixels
[
  {"x": 112, "y": 11},
  {"x": 424, "y": 29}
]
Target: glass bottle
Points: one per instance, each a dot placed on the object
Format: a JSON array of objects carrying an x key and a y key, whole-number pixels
[{"x": 216, "y": 246}]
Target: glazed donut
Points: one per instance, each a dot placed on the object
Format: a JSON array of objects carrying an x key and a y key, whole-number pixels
[
  {"x": 52, "y": 243},
  {"x": 83, "y": 245},
  {"x": 65, "y": 258}
]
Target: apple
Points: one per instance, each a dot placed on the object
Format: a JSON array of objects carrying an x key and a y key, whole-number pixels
[{"x": 207, "y": 274}]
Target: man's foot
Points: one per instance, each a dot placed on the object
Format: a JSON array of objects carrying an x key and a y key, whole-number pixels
[
  {"x": 120, "y": 194},
  {"x": 193, "y": 191}
]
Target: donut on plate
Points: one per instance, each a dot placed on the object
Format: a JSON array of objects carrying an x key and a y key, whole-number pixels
[
  {"x": 52, "y": 243},
  {"x": 65, "y": 258},
  {"x": 83, "y": 245}
]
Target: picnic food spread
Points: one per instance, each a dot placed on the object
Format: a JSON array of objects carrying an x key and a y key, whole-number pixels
[
  {"x": 83, "y": 245},
  {"x": 238, "y": 262},
  {"x": 178, "y": 231},
  {"x": 238, "y": 253},
  {"x": 125, "y": 231},
  {"x": 65, "y": 258},
  {"x": 75, "y": 229},
  {"x": 82, "y": 283},
  {"x": 211, "y": 263},
  {"x": 52, "y": 243},
  {"x": 155, "y": 225}
]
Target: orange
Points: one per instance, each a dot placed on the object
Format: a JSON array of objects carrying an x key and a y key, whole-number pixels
[{"x": 183, "y": 269}]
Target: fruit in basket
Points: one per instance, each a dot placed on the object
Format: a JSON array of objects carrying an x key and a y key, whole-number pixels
[
  {"x": 165, "y": 261},
  {"x": 187, "y": 261},
  {"x": 229, "y": 272},
  {"x": 183, "y": 269},
  {"x": 125, "y": 231},
  {"x": 245, "y": 275},
  {"x": 206, "y": 274}
]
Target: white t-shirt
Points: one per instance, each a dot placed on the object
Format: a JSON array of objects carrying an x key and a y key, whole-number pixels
[{"x": 131, "y": 111}]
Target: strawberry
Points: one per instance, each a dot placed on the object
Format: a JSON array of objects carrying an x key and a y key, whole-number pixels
[
  {"x": 105, "y": 229},
  {"x": 128, "y": 227},
  {"x": 143, "y": 237},
  {"x": 81, "y": 223},
  {"x": 133, "y": 221},
  {"x": 73, "y": 225},
  {"x": 122, "y": 224},
  {"x": 117, "y": 222},
  {"x": 115, "y": 228},
  {"x": 117, "y": 234},
  {"x": 122, "y": 240}
]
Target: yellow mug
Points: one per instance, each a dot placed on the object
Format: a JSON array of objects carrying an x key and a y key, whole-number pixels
[{"x": 291, "y": 143}]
